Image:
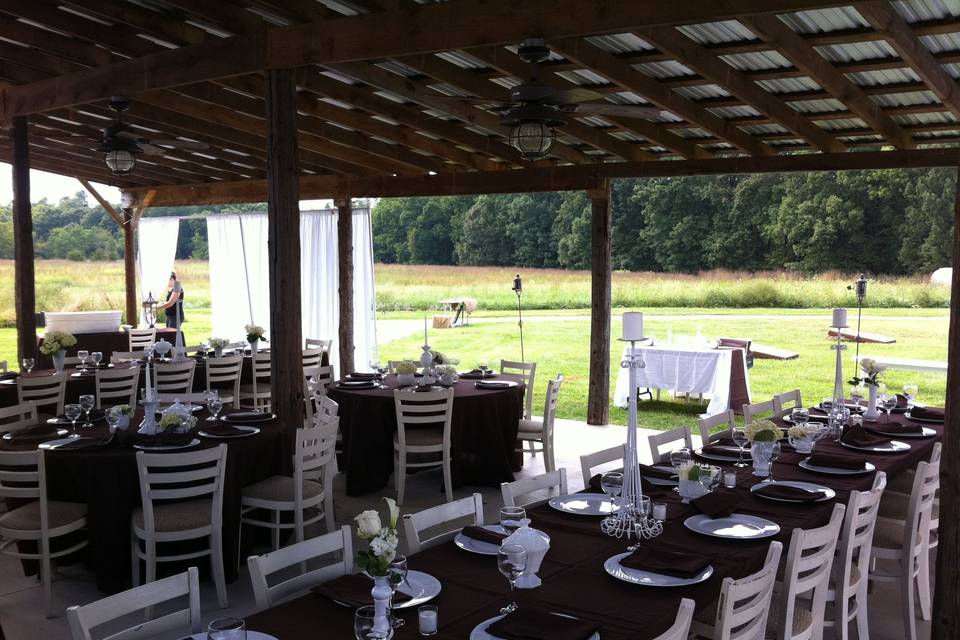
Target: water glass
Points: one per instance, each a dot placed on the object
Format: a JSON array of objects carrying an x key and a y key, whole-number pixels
[
  {"x": 709, "y": 477},
  {"x": 856, "y": 394},
  {"x": 643, "y": 506},
  {"x": 29, "y": 364},
  {"x": 113, "y": 418},
  {"x": 775, "y": 452},
  {"x": 889, "y": 403},
  {"x": 612, "y": 484},
  {"x": 800, "y": 416},
  {"x": 740, "y": 439},
  {"x": 214, "y": 405},
  {"x": 97, "y": 357},
  {"x": 83, "y": 354},
  {"x": 227, "y": 629},
  {"x": 87, "y": 403},
  {"x": 428, "y": 619},
  {"x": 397, "y": 572},
  {"x": 511, "y": 518},
  {"x": 910, "y": 390},
  {"x": 511, "y": 561},
  {"x": 680, "y": 457},
  {"x": 72, "y": 412},
  {"x": 363, "y": 620}
]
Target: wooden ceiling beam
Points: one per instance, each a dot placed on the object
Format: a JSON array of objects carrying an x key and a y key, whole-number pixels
[
  {"x": 146, "y": 171},
  {"x": 886, "y": 21},
  {"x": 698, "y": 58},
  {"x": 794, "y": 48},
  {"x": 632, "y": 80},
  {"x": 42, "y": 160},
  {"x": 156, "y": 23},
  {"x": 411, "y": 30},
  {"x": 224, "y": 15},
  {"x": 555, "y": 178}
]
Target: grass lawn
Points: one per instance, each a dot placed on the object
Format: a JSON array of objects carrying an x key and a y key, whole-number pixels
[{"x": 563, "y": 346}]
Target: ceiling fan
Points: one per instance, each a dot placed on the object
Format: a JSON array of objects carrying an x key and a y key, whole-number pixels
[{"x": 536, "y": 108}]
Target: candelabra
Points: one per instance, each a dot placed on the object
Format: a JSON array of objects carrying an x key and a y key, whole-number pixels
[{"x": 630, "y": 520}]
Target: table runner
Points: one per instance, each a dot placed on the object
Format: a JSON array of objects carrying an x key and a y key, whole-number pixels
[{"x": 574, "y": 581}]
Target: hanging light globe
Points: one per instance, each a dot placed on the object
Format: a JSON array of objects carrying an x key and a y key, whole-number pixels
[
  {"x": 532, "y": 139},
  {"x": 120, "y": 161}
]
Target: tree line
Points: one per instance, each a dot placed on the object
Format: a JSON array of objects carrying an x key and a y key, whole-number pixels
[{"x": 892, "y": 221}]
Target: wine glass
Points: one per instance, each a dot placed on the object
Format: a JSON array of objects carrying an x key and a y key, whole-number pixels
[
  {"x": 97, "y": 357},
  {"x": 511, "y": 561},
  {"x": 87, "y": 403},
  {"x": 484, "y": 366},
  {"x": 709, "y": 477},
  {"x": 29, "y": 364},
  {"x": 72, "y": 412},
  {"x": 363, "y": 621},
  {"x": 680, "y": 457},
  {"x": 397, "y": 572},
  {"x": 83, "y": 354},
  {"x": 214, "y": 405},
  {"x": 910, "y": 390},
  {"x": 612, "y": 484},
  {"x": 889, "y": 401},
  {"x": 511, "y": 518},
  {"x": 740, "y": 439},
  {"x": 800, "y": 416},
  {"x": 113, "y": 418},
  {"x": 856, "y": 394},
  {"x": 775, "y": 452},
  {"x": 227, "y": 629}
]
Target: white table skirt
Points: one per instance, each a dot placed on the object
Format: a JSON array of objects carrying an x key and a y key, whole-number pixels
[{"x": 705, "y": 371}]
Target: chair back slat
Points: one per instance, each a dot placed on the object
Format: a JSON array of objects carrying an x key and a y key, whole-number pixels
[
  {"x": 46, "y": 391},
  {"x": 18, "y": 416},
  {"x": 744, "y": 604},
  {"x": 315, "y": 343},
  {"x": 708, "y": 424},
  {"x": 175, "y": 377},
  {"x": 311, "y": 357},
  {"x": 550, "y": 481},
  {"x": 158, "y": 471},
  {"x": 415, "y": 524},
  {"x": 591, "y": 460},
  {"x": 755, "y": 410},
  {"x": 140, "y": 339},
  {"x": 784, "y": 403},
  {"x": 673, "y": 439},
  {"x": 427, "y": 408},
  {"x": 550, "y": 406},
  {"x": 117, "y": 384},
  {"x": 527, "y": 371}
]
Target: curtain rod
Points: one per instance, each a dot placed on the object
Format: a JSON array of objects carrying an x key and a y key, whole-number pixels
[{"x": 200, "y": 216}]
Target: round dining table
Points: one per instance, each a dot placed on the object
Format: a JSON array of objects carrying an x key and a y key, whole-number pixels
[
  {"x": 483, "y": 435},
  {"x": 105, "y": 478}
]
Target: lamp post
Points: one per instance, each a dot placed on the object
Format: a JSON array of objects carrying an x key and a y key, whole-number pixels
[
  {"x": 518, "y": 289},
  {"x": 861, "y": 289},
  {"x": 150, "y": 310}
]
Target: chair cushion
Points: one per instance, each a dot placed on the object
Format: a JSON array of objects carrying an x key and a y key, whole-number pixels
[
  {"x": 888, "y": 535},
  {"x": 802, "y": 616},
  {"x": 280, "y": 489},
  {"x": 531, "y": 426},
  {"x": 421, "y": 437},
  {"x": 262, "y": 389},
  {"x": 27, "y": 517},
  {"x": 177, "y": 516}
]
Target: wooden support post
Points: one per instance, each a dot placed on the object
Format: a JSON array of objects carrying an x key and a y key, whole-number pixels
[
  {"x": 128, "y": 226},
  {"x": 946, "y": 601},
  {"x": 283, "y": 242},
  {"x": 598, "y": 395},
  {"x": 345, "y": 255},
  {"x": 25, "y": 300}
]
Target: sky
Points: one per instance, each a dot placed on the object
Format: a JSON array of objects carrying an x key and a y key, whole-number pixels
[{"x": 49, "y": 186}]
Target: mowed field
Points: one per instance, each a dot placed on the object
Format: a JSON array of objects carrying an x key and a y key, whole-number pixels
[{"x": 775, "y": 309}]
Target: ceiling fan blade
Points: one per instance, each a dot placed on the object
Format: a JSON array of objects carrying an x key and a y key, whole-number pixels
[
  {"x": 573, "y": 95},
  {"x": 150, "y": 150},
  {"x": 64, "y": 136},
  {"x": 180, "y": 144},
  {"x": 617, "y": 110},
  {"x": 469, "y": 99}
]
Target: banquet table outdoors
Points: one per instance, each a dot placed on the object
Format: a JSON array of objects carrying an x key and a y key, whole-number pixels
[
  {"x": 105, "y": 478},
  {"x": 106, "y": 342},
  {"x": 483, "y": 433},
  {"x": 574, "y": 580},
  {"x": 719, "y": 374}
]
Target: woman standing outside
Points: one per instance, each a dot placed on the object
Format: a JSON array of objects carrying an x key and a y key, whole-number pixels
[{"x": 173, "y": 306}]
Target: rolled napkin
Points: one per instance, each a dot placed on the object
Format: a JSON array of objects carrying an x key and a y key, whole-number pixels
[
  {"x": 895, "y": 427},
  {"x": 528, "y": 623},
  {"x": 666, "y": 562},
  {"x": 902, "y": 401},
  {"x": 225, "y": 430},
  {"x": 37, "y": 433},
  {"x": 484, "y": 535},
  {"x": 353, "y": 590},
  {"x": 834, "y": 461},
  {"x": 423, "y": 388},
  {"x": 723, "y": 450},
  {"x": 717, "y": 504},
  {"x": 493, "y": 384},
  {"x": 362, "y": 375},
  {"x": 476, "y": 374},
  {"x": 857, "y": 436},
  {"x": 927, "y": 413},
  {"x": 84, "y": 443},
  {"x": 246, "y": 416},
  {"x": 786, "y": 492}
]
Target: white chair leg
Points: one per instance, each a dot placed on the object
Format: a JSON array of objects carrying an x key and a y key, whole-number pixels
[
  {"x": 548, "y": 456},
  {"x": 275, "y": 532},
  {"x": 216, "y": 565},
  {"x": 907, "y": 598},
  {"x": 46, "y": 577},
  {"x": 149, "y": 569},
  {"x": 134, "y": 559},
  {"x": 400, "y": 469},
  {"x": 329, "y": 513},
  {"x": 863, "y": 624},
  {"x": 447, "y": 481},
  {"x": 923, "y": 586}
]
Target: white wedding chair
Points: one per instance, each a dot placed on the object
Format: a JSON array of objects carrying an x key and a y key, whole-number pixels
[
  {"x": 784, "y": 403},
  {"x": 416, "y": 524},
  {"x": 756, "y": 410},
  {"x": 174, "y": 377},
  {"x": 679, "y": 436},
  {"x": 851, "y": 567},
  {"x": 681, "y": 626},
  {"x": 525, "y": 486},
  {"x": 311, "y": 357},
  {"x": 314, "y": 343},
  {"x": 528, "y": 373},
  {"x": 19, "y": 416},
  {"x": 24, "y": 477},
  {"x": 706, "y": 425},
  {"x": 269, "y": 593},
  {"x": 900, "y": 553},
  {"x": 744, "y": 604},
  {"x": 599, "y": 458},
  {"x": 117, "y": 384},
  {"x": 140, "y": 339},
  {"x": 310, "y": 488},
  {"x": 256, "y": 395},
  {"x": 532, "y": 432},
  {"x": 317, "y": 378},
  {"x": 120, "y": 357},
  {"x": 83, "y": 620},
  {"x": 798, "y": 610},
  {"x": 196, "y": 514},
  {"x": 223, "y": 374},
  {"x": 430, "y": 414},
  {"x": 46, "y": 392}
]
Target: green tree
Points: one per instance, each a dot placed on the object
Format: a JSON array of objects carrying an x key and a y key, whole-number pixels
[
  {"x": 927, "y": 229},
  {"x": 482, "y": 239}
]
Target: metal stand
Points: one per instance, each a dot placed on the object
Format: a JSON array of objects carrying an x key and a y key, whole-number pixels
[
  {"x": 629, "y": 521},
  {"x": 518, "y": 289},
  {"x": 837, "y": 417}
]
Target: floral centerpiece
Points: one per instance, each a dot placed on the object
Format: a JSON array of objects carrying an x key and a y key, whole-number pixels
[
  {"x": 871, "y": 377},
  {"x": 447, "y": 373},
  {"x": 120, "y": 415},
  {"x": 254, "y": 336},
  {"x": 218, "y": 344},
  {"x": 802, "y": 438},
  {"x": 55, "y": 345},
  {"x": 177, "y": 418},
  {"x": 440, "y": 358},
  {"x": 375, "y": 561},
  {"x": 763, "y": 435},
  {"x": 689, "y": 481},
  {"x": 406, "y": 370}
]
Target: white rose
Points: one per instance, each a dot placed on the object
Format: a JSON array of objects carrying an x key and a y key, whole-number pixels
[
  {"x": 394, "y": 512},
  {"x": 368, "y": 524}
]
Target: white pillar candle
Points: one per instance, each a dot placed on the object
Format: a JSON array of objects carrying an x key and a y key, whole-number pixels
[
  {"x": 659, "y": 511},
  {"x": 839, "y": 318},
  {"x": 427, "y": 619},
  {"x": 633, "y": 325}
]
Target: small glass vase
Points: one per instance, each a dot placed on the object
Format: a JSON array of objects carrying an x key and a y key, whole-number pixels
[
  {"x": 254, "y": 347},
  {"x": 381, "y": 592},
  {"x": 761, "y": 453},
  {"x": 58, "y": 360},
  {"x": 871, "y": 414}
]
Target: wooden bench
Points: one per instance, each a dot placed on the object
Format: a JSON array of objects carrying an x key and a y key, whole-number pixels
[{"x": 908, "y": 364}]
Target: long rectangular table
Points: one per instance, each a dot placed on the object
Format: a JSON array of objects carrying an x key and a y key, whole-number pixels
[{"x": 574, "y": 580}]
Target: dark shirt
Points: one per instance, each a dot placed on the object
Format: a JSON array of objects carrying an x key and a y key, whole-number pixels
[{"x": 174, "y": 314}]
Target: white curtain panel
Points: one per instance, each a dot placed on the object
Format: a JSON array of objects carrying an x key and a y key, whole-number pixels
[
  {"x": 319, "y": 298},
  {"x": 364, "y": 293},
  {"x": 239, "y": 286},
  {"x": 156, "y": 251}
]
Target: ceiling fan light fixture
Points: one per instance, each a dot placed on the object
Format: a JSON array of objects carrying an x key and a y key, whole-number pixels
[
  {"x": 120, "y": 161},
  {"x": 532, "y": 139}
]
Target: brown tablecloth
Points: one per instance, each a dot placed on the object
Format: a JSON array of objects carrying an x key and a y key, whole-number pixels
[
  {"x": 105, "y": 342},
  {"x": 483, "y": 434},
  {"x": 574, "y": 580},
  {"x": 106, "y": 479}
]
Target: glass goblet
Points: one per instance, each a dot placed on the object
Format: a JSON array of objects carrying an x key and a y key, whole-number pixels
[
  {"x": 227, "y": 629},
  {"x": 709, "y": 477},
  {"x": 800, "y": 416},
  {"x": 83, "y": 354},
  {"x": 680, "y": 457},
  {"x": 910, "y": 390},
  {"x": 511, "y": 561},
  {"x": 889, "y": 403},
  {"x": 856, "y": 394},
  {"x": 29, "y": 364},
  {"x": 363, "y": 621},
  {"x": 612, "y": 484},
  {"x": 774, "y": 456},
  {"x": 72, "y": 412},
  {"x": 397, "y": 572},
  {"x": 87, "y": 403},
  {"x": 740, "y": 439},
  {"x": 214, "y": 406},
  {"x": 511, "y": 518}
]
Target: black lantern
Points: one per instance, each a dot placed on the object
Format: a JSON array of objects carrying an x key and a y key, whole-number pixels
[
  {"x": 150, "y": 310},
  {"x": 532, "y": 129},
  {"x": 120, "y": 162}
]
